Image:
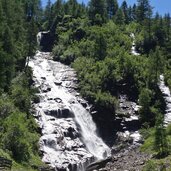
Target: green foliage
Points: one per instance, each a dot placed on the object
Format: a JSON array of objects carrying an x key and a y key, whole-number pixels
[
  {"x": 144, "y": 101},
  {"x": 160, "y": 143},
  {"x": 97, "y": 11},
  {"x": 17, "y": 38},
  {"x": 96, "y": 41},
  {"x": 150, "y": 166},
  {"x": 21, "y": 92},
  {"x": 6, "y": 106},
  {"x": 18, "y": 131},
  {"x": 15, "y": 138}
]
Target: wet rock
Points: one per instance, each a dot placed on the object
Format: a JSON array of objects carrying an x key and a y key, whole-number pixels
[
  {"x": 58, "y": 100},
  {"x": 94, "y": 112},
  {"x": 58, "y": 83},
  {"x": 83, "y": 102},
  {"x": 43, "y": 78},
  {"x": 59, "y": 113},
  {"x": 99, "y": 164},
  {"x": 45, "y": 88},
  {"x": 46, "y": 168}
]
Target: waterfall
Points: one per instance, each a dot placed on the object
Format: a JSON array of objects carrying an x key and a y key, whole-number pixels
[
  {"x": 167, "y": 96},
  {"x": 133, "y": 49},
  {"x": 93, "y": 143},
  {"x": 69, "y": 138}
]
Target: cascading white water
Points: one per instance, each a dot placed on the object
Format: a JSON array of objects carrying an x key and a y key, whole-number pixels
[
  {"x": 135, "y": 135},
  {"x": 93, "y": 143},
  {"x": 133, "y": 49},
  {"x": 167, "y": 96},
  {"x": 62, "y": 118}
]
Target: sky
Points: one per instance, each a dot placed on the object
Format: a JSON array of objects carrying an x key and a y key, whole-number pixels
[{"x": 162, "y": 6}]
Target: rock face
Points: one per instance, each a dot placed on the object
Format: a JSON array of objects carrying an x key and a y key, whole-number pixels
[
  {"x": 128, "y": 159},
  {"x": 45, "y": 40},
  {"x": 167, "y": 96},
  {"x": 129, "y": 121},
  {"x": 69, "y": 140}
]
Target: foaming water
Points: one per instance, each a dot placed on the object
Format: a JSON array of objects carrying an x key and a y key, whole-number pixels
[
  {"x": 167, "y": 96},
  {"x": 69, "y": 139}
]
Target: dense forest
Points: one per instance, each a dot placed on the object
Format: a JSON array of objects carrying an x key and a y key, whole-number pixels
[{"x": 96, "y": 41}]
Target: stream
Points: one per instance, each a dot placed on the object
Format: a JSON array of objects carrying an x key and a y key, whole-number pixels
[{"x": 167, "y": 97}]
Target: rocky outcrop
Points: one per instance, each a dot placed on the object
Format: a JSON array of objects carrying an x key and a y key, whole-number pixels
[
  {"x": 128, "y": 158},
  {"x": 45, "y": 40},
  {"x": 127, "y": 114},
  {"x": 98, "y": 164}
]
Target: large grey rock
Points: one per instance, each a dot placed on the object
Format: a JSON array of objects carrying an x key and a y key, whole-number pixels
[{"x": 98, "y": 164}]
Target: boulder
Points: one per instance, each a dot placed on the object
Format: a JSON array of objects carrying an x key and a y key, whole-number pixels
[{"x": 98, "y": 164}]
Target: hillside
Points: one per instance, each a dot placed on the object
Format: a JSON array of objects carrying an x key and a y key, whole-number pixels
[{"x": 121, "y": 60}]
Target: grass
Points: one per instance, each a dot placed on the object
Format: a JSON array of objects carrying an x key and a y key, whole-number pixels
[{"x": 156, "y": 164}]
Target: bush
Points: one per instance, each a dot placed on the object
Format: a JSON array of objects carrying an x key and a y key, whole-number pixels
[
  {"x": 150, "y": 166},
  {"x": 15, "y": 138},
  {"x": 6, "y": 106},
  {"x": 20, "y": 91}
]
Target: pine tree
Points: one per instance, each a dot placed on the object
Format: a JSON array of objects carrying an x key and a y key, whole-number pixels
[
  {"x": 112, "y": 7},
  {"x": 156, "y": 65},
  {"x": 97, "y": 11},
  {"x": 167, "y": 23},
  {"x": 120, "y": 18},
  {"x": 124, "y": 8},
  {"x": 144, "y": 101},
  {"x": 143, "y": 8},
  {"x": 48, "y": 14},
  {"x": 160, "y": 143},
  {"x": 58, "y": 8},
  {"x": 134, "y": 12},
  {"x": 100, "y": 46}
]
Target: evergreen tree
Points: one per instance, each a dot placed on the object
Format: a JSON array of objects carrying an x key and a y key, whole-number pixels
[
  {"x": 58, "y": 8},
  {"x": 156, "y": 65},
  {"x": 130, "y": 16},
  {"x": 112, "y": 7},
  {"x": 124, "y": 8},
  {"x": 48, "y": 14},
  {"x": 144, "y": 101},
  {"x": 100, "y": 46},
  {"x": 167, "y": 23},
  {"x": 160, "y": 143},
  {"x": 134, "y": 12},
  {"x": 143, "y": 8},
  {"x": 97, "y": 11},
  {"x": 120, "y": 18}
]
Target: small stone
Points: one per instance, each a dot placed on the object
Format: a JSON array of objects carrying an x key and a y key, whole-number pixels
[
  {"x": 142, "y": 163},
  {"x": 58, "y": 83}
]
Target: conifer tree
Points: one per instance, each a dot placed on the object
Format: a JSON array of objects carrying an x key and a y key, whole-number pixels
[
  {"x": 48, "y": 14},
  {"x": 124, "y": 8},
  {"x": 112, "y": 7},
  {"x": 134, "y": 12},
  {"x": 120, "y": 18},
  {"x": 97, "y": 11},
  {"x": 160, "y": 143},
  {"x": 143, "y": 8}
]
